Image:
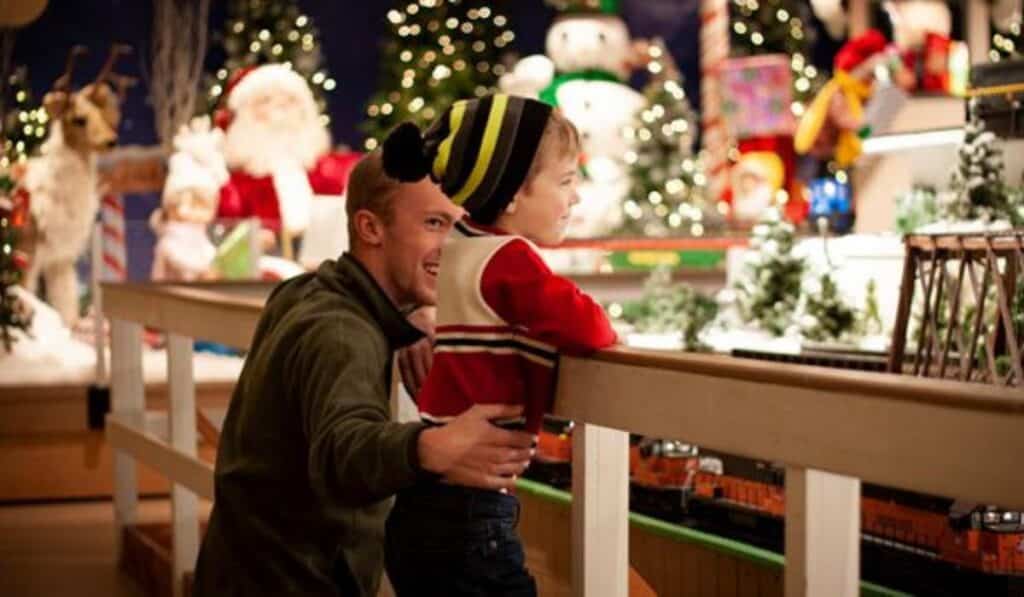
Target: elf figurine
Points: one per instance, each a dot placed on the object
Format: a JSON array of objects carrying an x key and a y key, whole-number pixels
[
  {"x": 195, "y": 174},
  {"x": 834, "y": 123}
]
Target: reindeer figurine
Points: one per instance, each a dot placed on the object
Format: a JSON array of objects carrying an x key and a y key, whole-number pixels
[{"x": 62, "y": 181}]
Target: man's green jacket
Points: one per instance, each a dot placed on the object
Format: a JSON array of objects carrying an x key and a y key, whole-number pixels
[{"x": 308, "y": 456}]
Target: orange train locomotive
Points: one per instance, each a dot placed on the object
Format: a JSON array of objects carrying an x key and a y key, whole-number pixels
[{"x": 677, "y": 481}]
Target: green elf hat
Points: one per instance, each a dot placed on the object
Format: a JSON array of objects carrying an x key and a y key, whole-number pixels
[{"x": 608, "y": 7}]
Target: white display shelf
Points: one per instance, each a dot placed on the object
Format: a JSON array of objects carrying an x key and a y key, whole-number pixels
[{"x": 920, "y": 148}]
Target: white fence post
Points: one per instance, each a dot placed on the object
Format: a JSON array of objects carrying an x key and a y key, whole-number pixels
[
  {"x": 184, "y": 503},
  {"x": 128, "y": 400},
  {"x": 822, "y": 534},
  {"x": 600, "y": 512}
]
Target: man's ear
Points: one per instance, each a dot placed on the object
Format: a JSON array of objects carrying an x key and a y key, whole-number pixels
[{"x": 369, "y": 228}]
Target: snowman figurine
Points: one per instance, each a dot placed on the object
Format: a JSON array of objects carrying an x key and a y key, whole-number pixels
[{"x": 589, "y": 57}]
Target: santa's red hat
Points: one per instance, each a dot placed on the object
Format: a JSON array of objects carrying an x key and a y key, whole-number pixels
[
  {"x": 251, "y": 80},
  {"x": 859, "y": 49}
]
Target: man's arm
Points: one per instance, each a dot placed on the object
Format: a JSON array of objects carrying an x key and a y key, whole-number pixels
[{"x": 357, "y": 455}]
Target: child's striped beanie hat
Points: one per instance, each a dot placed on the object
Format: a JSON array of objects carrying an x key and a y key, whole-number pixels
[{"x": 479, "y": 151}]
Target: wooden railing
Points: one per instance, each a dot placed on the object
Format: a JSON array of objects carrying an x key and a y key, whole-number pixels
[{"x": 829, "y": 428}]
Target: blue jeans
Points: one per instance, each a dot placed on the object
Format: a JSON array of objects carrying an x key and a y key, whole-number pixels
[{"x": 452, "y": 541}]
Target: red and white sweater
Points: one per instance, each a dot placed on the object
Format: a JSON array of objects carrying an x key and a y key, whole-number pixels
[{"x": 502, "y": 318}]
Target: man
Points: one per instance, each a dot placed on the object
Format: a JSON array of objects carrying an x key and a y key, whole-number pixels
[{"x": 308, "y": 457}]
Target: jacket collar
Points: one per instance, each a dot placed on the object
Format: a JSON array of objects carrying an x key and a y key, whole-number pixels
[{"x": 348, "y": 274}]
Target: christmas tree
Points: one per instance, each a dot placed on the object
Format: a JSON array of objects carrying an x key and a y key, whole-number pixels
[
  {"x": 778, "y": 27},
  {"x": 13, "y": 315},
  {"x": 437, "y": 51},
  {"x": 269, "y": 32},
  {"x": 668, "y": 307},
  {"x": 1008, "y": 44},
  {"x": 24, "y": 123},
  {"x": 667, "y": 182},
  {"x": 978, "y": 191},
  {"x": 823, "y": 313},
  {"x": 768, "y": 292}
]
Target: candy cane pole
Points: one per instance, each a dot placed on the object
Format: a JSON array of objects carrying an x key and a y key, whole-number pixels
[
  {"x": 112, "y": 224},
  {"x": 714, "y": 50},
  {"x": 108, "y": 265}
]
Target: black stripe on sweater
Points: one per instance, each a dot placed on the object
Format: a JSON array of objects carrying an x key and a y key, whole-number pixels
[{"x": 499, "y": 343}]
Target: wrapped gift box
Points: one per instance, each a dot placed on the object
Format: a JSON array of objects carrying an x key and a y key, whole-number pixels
[{"x": 756, "y": 96}]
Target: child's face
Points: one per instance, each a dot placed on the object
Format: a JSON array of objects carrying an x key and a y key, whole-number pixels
[{"x": 540, "y": 210}]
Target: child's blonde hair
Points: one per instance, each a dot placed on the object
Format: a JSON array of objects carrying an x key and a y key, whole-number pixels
[{"x": 560, "y": 139}]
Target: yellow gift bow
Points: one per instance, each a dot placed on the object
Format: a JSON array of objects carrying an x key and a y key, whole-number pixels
[{"x": 855, "y": 92}]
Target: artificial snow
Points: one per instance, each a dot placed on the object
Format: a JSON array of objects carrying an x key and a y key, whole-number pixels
[{"x": 50, "y": 355}]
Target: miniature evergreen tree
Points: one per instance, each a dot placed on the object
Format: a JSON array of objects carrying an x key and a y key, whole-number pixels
[
  {"x": 768, "y": 292},
  {"x": 916, "y": 208},
  {"x": 824, "y": 314},
  {"x": 667, "y": 307},
  {"x": 977, "y": 185}
]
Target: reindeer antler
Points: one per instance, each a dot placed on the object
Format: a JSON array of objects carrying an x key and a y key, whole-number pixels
[
  {"x": 63, "y": 82},
  {"x": 122, "y": 82},
  {"x": 116, "y": 51}
]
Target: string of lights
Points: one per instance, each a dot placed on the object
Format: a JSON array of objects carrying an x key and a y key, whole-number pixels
[
  {"x": 778, "y": 26},
  {"x": 668, "y": 188},
  {"x": 25, "y": 123},
  {"x": 1009, "y": 44},
  {"x": 270, "y": 32},
  {"x": 12, "y": 263},
  {"x": 437, "y": 51}
]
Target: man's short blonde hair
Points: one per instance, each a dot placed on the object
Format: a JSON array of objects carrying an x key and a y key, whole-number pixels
[{"x": 370, "y": 188}]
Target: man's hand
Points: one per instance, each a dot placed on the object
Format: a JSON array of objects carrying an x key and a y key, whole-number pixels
[
  {"x": 471, "y": 451},
  {"x": 414, "y": 361}
]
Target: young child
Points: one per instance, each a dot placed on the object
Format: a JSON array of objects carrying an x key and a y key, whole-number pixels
[{"x": 502, "y": 319}]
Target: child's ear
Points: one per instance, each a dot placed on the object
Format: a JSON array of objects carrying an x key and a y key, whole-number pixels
[{"x": 511, "y": 207}]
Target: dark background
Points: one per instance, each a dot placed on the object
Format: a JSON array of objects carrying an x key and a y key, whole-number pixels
[{"x": 349, "y": 33}]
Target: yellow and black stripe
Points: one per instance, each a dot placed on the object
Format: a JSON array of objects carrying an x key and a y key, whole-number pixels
[{"x": 484, "y": 148}]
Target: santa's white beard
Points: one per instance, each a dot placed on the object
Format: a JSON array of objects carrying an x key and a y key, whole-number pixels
[
  {"x": 259, "y": 147},
  {"x": 283, "y": 150}
]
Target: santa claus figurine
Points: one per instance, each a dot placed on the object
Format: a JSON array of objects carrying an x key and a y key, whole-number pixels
[{"x": 277, "y": 151}]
